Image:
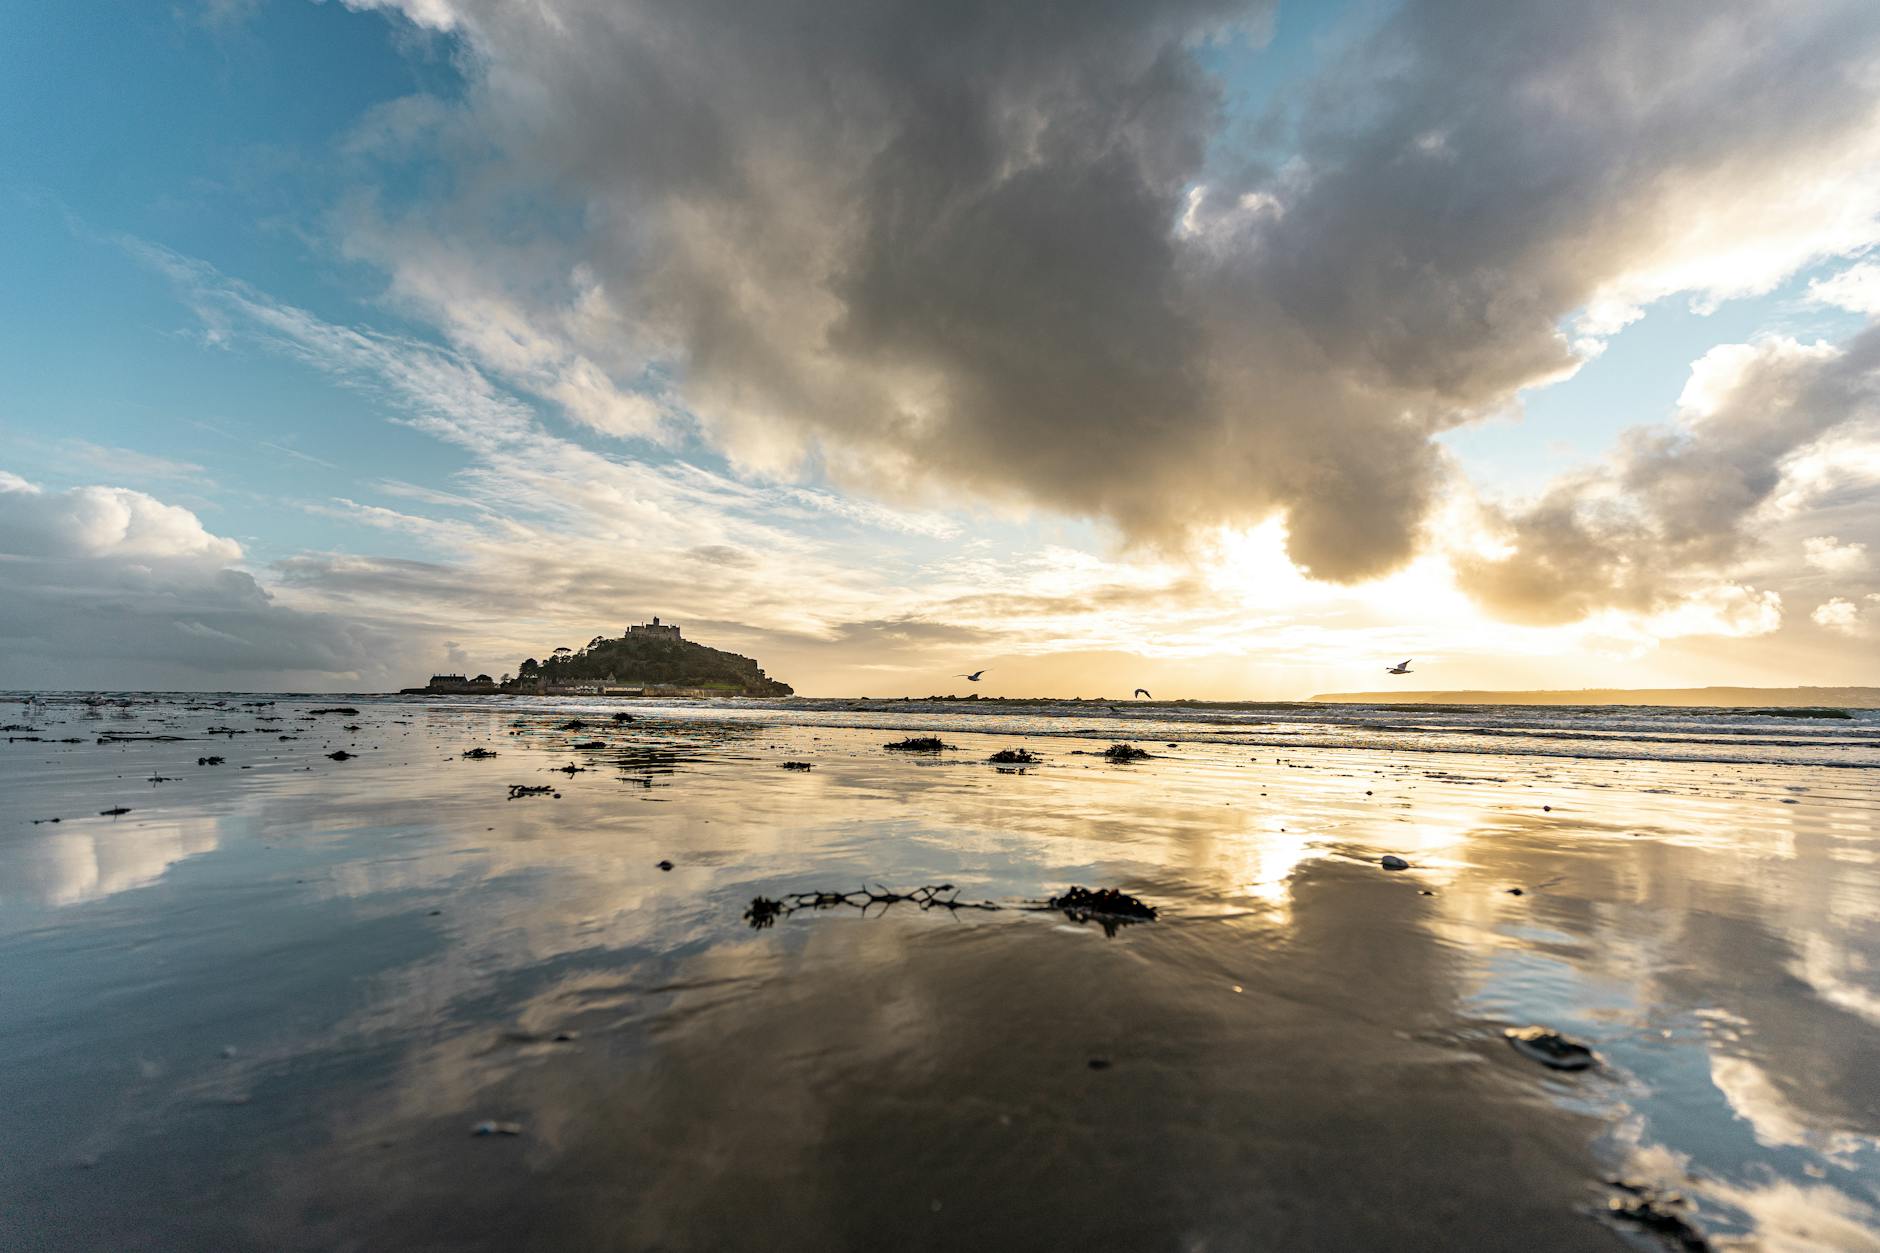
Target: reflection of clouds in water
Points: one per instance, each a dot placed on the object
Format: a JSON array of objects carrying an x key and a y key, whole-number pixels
[
  {"x": 1792, "y": 1217},
  {"x": 1786, "y": 1216},
  {"x": 1776, "y": 1121},
  {"x": 1831, "y": 969},
  {"x": 77, "y": 863}
]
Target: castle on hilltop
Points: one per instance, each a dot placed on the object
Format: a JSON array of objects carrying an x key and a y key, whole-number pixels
[{"x": 652, "y": 629}]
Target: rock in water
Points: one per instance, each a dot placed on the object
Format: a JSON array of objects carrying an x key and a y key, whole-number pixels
[
  {"x": 1658, "y": 1212},
  {"x": 1550, "y": 1048},
  {"x": 1391, "y": 861},
  {"x": 342, "y": 755}
]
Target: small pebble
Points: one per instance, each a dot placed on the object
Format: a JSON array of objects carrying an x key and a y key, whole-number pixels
[
  {"x": 497, "y": 1129},
  {"x": 665, "y": 865},
  {"x": 1390, "y": 861},
  {"x": 1099, "y": 1063}
]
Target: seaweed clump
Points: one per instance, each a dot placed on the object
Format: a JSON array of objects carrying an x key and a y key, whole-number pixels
[
  {"x": 764, "y": 911},
  {"x": 518, "y": 790},
  {"x": 1013, "y": 757},
  {"x": 1125, "y": 752},
  {"x": 796, "y": 765},
  {"x": 1082, "y": 904},
  {"x": 1107, "y": 907},
  {"x": 479, "y": 753},
  {"x": 917, "y": 744}
]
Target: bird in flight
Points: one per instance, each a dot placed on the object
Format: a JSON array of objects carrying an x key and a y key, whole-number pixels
[
  {"x": 1144, "y": 693},
  {"x": 970, "y": 678},
  {"x": 1402, "y": 667}
]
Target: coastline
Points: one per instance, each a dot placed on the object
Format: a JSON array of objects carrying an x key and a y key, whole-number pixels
[{"x": 322, "y": 974}]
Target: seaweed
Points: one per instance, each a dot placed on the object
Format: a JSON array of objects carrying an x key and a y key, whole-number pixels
[
  {"x": 918, "y": 744},
  {"x": 337, "y": 709},
  {"x": 1013, "y": 757},
  {"x": 479, "y": 753},
  {"x": 796, "y": 765},
  {"x": 764, "y": 911},
  {"x": 517, "y": 790},
  {"x": 1109, "y": 908},
  {"x": 1125, "y": 753}
]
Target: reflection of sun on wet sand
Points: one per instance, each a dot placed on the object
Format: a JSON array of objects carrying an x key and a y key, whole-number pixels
[{"x": 322, "y": 976}]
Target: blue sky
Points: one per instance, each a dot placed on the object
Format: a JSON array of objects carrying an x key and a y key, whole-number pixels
[{"x": 227, "y": 270}]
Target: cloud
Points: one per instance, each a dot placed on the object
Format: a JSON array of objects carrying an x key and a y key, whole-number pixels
[
  {"x": 1668, "y": 517},
  {"x": 1856, "y": 289},
  {"x": 1837, "y": 614},
  {"x": 1827, "y": 553},
  {"x": 1846, "y": 616},
  {"x": 112, "y": 522},
  {"x": 981, "y": 248},
  {"x": 103, "y": 586}
]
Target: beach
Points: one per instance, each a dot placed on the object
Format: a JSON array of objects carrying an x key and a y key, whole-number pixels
[{"x": 274, "y": 1002}]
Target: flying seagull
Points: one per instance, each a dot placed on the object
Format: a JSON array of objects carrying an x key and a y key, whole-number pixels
[
  {"x": 970, "y": 678},
  {"x": 1144, "y": 693},
  {"x": 1402, "y": 667}
]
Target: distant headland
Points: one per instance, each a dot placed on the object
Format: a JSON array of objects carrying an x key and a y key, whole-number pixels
[
  {"x": 1712, "y": 697},
  {"x": 650, "y": 659}
]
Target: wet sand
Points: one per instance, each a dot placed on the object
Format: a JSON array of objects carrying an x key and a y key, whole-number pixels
[{"x": 267, "y": 1006}]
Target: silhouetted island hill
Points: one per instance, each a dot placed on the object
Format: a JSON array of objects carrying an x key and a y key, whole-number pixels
[{"x": 650, "y": 659}]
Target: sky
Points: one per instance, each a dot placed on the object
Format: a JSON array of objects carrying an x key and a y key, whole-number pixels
[{"x": 1231, "y": 350}]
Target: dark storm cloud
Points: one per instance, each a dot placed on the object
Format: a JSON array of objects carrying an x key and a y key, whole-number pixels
[{"x": 1007, "y": 247}]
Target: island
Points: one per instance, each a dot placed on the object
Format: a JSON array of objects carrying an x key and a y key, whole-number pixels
[{"x": 650, "y": 659}]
